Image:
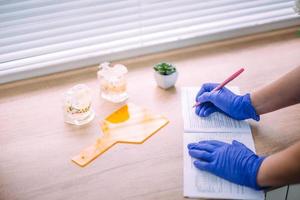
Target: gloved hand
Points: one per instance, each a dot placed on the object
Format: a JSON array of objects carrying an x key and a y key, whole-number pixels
[
  {"x": 233, "y": 162},
  {"x": 223, "y": 100}
]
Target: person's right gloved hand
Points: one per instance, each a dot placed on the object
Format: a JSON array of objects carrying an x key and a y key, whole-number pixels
[{"x": 225, "y": 101}]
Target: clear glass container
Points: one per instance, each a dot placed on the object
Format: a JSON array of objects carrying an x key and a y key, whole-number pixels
[
  {"x": 77, "y": 105},
  {"x": 112, "y": 80}
]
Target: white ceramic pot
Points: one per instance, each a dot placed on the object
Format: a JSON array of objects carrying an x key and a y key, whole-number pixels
[{"x": 165, "y": 81}]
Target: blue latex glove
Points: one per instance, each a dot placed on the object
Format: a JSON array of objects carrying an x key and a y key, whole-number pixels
[
  {"x": 223, "y": 100},
  {"x": 233, "y": 162}
]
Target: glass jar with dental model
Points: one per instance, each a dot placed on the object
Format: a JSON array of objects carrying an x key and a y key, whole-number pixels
[
  {"x": 77, "y": 104},
  {"x": 112, "y": 81}
]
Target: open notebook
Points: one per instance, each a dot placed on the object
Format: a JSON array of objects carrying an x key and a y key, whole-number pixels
[{"x": 201, "y": 184}]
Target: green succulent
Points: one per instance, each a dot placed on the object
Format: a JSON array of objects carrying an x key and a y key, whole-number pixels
[{"x": 164, "y": 68}]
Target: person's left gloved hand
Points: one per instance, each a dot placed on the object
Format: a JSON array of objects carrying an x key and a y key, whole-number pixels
[{"x": 233, "y": 162}]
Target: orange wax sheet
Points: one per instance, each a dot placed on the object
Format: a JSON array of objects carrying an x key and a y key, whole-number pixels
[{"x": 129, "y": 124}]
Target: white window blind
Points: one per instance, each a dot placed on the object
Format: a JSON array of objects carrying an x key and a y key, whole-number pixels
[{"x": 45, "y": 36}]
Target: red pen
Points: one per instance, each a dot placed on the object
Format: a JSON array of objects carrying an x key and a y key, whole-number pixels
[{"x": 233, "y": 76}]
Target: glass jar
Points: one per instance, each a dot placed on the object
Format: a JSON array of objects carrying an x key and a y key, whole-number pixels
[
  {"x": 77, "y": 103},
  {"x": 112, "y": 81}
]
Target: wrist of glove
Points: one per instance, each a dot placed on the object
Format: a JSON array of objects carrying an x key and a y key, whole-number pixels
[
  {"x": 233, "y": 162},
  {"x": 247, "y": 109},
  {"x": 225, "y": 101}
]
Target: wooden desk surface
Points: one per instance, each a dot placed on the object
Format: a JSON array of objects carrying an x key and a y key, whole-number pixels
[{"x": 36, "y": 145}]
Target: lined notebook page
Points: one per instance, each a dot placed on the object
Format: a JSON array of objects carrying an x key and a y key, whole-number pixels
[
  {"x": 199, "y": 183},
  {"x": 216, "y": 122},
  {"x": 217, "y": 126}
]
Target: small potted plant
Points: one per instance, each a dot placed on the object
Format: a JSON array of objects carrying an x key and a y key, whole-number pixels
[{"x": 165, "y": 75}]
